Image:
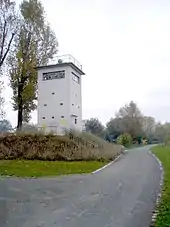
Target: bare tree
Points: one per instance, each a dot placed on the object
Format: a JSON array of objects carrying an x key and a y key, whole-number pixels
[
  {"x": 7, "y": 27},
  {"x": 2, "y": 113}
]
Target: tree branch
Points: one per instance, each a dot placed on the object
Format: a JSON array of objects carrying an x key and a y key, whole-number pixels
[
  {"x": 8, "y": 48},
  {"x": 3, "y": 40}
]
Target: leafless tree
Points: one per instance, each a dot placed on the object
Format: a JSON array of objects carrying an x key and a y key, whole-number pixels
[{"x": 7, "y": 28}]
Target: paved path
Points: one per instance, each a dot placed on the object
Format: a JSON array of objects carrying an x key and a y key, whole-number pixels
[{"x": 122, "y": 195}]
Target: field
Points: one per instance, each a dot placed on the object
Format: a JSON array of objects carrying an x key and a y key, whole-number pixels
[{"x": 163, "y": 218}]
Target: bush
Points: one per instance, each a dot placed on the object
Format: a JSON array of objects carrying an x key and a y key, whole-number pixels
[
  {"x": 70, "y": 147},
  {"x": 167, "y": 140},
  {"x": 125, "y": 140}
]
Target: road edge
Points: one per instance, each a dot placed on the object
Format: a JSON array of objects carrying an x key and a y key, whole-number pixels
[
  {"x": 155, "y": 212},
  {"x": 110, "y": 163}
]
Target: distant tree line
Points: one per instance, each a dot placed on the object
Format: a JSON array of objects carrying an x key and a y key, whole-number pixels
[{"x": 129, "y": 125}]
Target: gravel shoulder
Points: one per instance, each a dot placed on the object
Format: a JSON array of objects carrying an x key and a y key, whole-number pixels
[{"x": 122, "y": 195}]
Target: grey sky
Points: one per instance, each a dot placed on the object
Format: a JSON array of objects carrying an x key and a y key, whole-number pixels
[{"x": 124, "y": 47}]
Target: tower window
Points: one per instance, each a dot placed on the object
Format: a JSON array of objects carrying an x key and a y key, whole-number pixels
[
  {"x": 53, "y": 117},
  {"x": 72, "y": 104},
  {"x": 61, "y": 103},
  {"x": 75, "y": 78},
  {"x": 54, "y": 75},
  {"x": 62, "y": 116},
  {"x": 53, "y": 93},
  {"x": 43, "y": 117},
  {"x": 75, "y": 121},
  {"x": 45, "y": 104}
]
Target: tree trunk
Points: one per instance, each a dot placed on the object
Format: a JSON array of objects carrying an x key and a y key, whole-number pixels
[{"x": 20, "y": 107}]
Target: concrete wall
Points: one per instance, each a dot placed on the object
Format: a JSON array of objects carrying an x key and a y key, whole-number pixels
[
  {"x": 75, "y": 100},
  {"x": 60, "y": 88},
  {"x": 66, "y": 92}
]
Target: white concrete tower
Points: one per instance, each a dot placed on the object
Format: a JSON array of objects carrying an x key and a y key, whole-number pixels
[{"x": 59, "y": 95}]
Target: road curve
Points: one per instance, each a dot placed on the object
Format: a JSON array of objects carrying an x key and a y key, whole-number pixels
[{"x": 122, "y": 195}]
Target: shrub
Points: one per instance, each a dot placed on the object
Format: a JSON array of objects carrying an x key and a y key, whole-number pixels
[
  {"x": 167, "y": 140},
  {"x": 124, "y": 139},
  {"x": 72, "y": 146}
]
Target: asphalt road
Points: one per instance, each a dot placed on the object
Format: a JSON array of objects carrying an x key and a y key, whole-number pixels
[{"x": 122, "y": 195}]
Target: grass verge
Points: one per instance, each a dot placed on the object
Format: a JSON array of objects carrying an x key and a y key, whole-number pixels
[
  {"x": 25, "y": 168},
  {"x": 163, "y": 218}
]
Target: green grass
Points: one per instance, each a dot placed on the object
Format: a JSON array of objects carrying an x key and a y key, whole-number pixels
[
  {"x": 163, "y": 219},
  {"x": 24, "y": 168}
]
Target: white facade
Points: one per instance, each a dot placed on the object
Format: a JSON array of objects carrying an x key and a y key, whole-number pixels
[{"x": 59, "y": 97}]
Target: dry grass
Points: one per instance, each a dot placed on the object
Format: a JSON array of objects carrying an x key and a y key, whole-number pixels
[{"x": 71, "y": 147}]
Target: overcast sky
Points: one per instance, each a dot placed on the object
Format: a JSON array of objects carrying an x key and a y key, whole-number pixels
[{"x": 124, "y": 47}]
